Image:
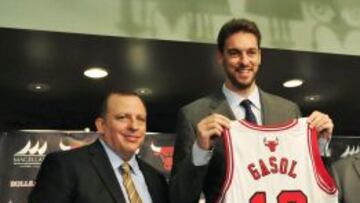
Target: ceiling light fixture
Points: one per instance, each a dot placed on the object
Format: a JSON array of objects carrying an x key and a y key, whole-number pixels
[
  {"x": 143, "y": 91},
  {"x": 38, "y": 87},
  {"x": 95, "y": 72},
  {"x": 293, "y": 83},
  {"x": 312, "y": 98}
]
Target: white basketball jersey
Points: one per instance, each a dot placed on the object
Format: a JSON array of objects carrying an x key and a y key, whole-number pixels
[{"x": 275, "y": 164}]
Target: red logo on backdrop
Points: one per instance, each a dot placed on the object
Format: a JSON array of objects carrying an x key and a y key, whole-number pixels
[
  {"x": 271, "y": 144},
  {"x": 165, "y": 153}
]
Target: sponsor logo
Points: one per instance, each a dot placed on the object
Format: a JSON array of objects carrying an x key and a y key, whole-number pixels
[
  {"x": 30, "y": 156},
  {"x": 69, "y": 143},
  {"x": 165, "y": 153},
  {"x": 64, "y": 147},
  {"x": 271, "y": 144},
  {"x": 22, "y": 183}
]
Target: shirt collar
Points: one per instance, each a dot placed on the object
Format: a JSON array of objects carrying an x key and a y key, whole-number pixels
[
  {"x": 116, "y": 160},
  {"x": 234, "y": 99}
]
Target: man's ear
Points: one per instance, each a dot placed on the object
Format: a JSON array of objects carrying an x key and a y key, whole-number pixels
[
  {"x": 219, "y": 57},
  {"x": 259, "y": 56},
  {"x": 100, "y": 123}
]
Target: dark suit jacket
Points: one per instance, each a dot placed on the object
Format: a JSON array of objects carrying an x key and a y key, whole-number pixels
[
  {"x": 85, "y": 175},
  {"x": 346, "y": 173},
  {"x": 187, "y": 180}
]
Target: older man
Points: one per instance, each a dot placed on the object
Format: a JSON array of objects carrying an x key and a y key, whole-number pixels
[{"x": 106, "y": 171}]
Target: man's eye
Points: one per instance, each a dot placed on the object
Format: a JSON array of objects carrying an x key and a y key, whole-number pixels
[
  {"x": 142, "y": 119},
  {"x": 233, "y": 54},
  {"x": 252, "y": 52},
  {"x": 120, "y": 117}
]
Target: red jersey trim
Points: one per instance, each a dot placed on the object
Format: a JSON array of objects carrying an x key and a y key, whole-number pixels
[
  {"x": 229, "y": 166},
  {"x": 277, "y": 127},
  {"x": 322, "y": 176}
]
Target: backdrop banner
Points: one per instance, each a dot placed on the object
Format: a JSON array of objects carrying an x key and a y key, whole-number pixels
[{"x": 21, "y": 154}]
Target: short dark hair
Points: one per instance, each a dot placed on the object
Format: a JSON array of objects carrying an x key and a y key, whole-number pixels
[
  {"x": 237, "y": 25},
  {"x": 104, "y": 104}
]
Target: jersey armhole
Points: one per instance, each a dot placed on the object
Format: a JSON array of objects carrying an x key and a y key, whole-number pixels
[{"x": 322, "y": 176}]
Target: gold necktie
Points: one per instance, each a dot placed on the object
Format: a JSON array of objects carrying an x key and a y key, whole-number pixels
[{"x": 129, "y": 184}]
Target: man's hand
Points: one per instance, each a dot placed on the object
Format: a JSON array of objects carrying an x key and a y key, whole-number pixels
[
  {"x": 210, "y": 127},
  {"x": 322, "y": 123}
]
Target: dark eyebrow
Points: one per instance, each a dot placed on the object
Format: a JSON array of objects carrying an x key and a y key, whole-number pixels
[
  {"x": 240, "y": 50},
  {"x": 233, "y": 51},
  {"x": 253, "y": 49}
]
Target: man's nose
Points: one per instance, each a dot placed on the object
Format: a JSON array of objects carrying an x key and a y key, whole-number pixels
[
  {"x": 244, "y": 59},
  {"x": 134, "y": 124}
]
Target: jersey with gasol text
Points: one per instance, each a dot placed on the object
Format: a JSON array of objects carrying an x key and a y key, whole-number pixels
[{"x": 275, "y": 164}]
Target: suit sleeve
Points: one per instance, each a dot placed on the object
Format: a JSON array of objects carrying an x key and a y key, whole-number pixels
[
  {"x": 336, "y": 177},
  {"x": 186, "y": 179},
  {"x": 53, "y": 183}
]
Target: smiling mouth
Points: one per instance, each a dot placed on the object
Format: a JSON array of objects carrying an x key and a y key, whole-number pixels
[
  {"x": 245, "y": 71},
  {"x": 132, "y": 138}
]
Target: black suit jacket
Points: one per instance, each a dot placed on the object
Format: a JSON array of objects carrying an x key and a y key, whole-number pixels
[
  {"x": 85, "y": 175},
  {"x": 187, "y": 180}
]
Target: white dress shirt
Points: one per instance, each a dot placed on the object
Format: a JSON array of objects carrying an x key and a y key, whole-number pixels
[
  {"x": 136, "y": 174},
  {"x": 234, "y": 100}
]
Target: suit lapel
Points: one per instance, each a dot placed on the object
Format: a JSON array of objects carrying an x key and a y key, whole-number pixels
[
  {"x": 266, "y": 107},
  {"x": 221, "y": 106},
  {"x": 104, "y": 169},
  {"x": 270, "y": 112},
  {"x": 356, "y": 163},
  {"x": 151, "y": 183}
]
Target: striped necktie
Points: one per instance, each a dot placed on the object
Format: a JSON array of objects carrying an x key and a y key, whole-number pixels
[{"x": 129, "y": 184}]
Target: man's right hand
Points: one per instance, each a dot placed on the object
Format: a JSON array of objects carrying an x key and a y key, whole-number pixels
[{"x": 210, "y": 127}]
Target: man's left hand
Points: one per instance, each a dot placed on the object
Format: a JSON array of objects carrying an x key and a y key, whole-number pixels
[{"x": 322, "y": 123}]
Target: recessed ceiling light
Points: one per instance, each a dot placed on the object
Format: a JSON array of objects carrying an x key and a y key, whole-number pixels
[
  {"x": 38, "y": 87},
  {"x": 293, "y": 83},
  {"x": 95, "y": 72},
  {"x": 143, "y": 91},
  {"x": 312, "y": 98}
]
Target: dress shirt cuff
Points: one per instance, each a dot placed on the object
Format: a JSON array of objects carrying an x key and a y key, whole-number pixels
[
  {"x": 200, "y": 157},
  {"x": 323, "y": 144}
]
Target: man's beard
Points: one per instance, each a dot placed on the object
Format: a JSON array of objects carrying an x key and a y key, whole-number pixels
[{"x": 239, "y": 85}]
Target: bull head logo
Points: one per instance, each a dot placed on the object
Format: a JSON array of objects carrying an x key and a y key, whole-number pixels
[
  {"x": 271, "y": 144},
  {"x": 165, "y": 153}
]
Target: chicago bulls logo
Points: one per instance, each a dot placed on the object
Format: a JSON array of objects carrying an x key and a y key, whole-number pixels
[
  {"x": 271, "y": 144},
  {"x": 165, "y": 153}
]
